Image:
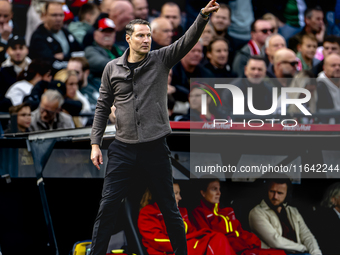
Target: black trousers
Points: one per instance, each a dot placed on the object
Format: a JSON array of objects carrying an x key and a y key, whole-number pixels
[{"x": 125, "y": 163}]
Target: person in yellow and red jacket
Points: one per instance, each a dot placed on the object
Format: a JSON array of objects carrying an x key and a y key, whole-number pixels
[
  {"x": 210, "y": 215},
  {"x": 155, "y": 238}
]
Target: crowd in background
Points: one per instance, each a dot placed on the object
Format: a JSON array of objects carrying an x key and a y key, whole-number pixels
[{"x": 64, "y": 46}]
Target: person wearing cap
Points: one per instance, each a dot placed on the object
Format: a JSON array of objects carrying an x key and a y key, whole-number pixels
[
  {"x": 16, "y": 62},
  {"x": 51, "y": 40},
  {"x": 103, "y": 49},
  {"x": 137, "y": 84}
]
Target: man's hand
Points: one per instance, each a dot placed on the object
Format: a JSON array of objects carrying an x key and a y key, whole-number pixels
[
  {"x": 96, "y": 156},
  {"x": 59, "y": 56},
  {"x": 5, "y": 31},
  {"x": 212, "y": 6},
  {"x": 171, "y": 89}
]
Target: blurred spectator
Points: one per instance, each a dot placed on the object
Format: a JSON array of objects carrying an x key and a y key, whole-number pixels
[
  {"x": 161, "y": 32},
  {"x": 49, "y": 115},
  {"x": 255, "y": 72},
  {"x": 105, "y": 6},
  {"x": 172, "y": 12},
  {"x": 304, "y": 79},
  {"x": 327, "y": 231},
  {"x": 260, "y": 30},
  {"x": 104, "y": 48},
  {"x": 242, "y": 16},
  {"x": 306, "y": 51},
  {"x": 284, "y": 68},
  {"x": 71, "y": 106},
  {"x": 210, "y": 214},
  {"x": 23, "y": 112},
  {"x": 70, "y": 78},
  {"x": 87, "y": 89},
  {"x": 221, "y": 20},
  {"x": 20, "y": 8},
  {"x": 6, "y": 26},
  {"x": 217, "y": 53},
  {"x": 195, "y": 102},
  {"x": 87, "y": 15},
  {"x": 207, "y": 36},
  {"x": 273, "y": 21},
  {"x": 290, "y": 15},
  {"x": 156, "y": 239},
  {"x": 314, "y": 25},
  {"x": 140, "y": 9},
  {"x": 331, "y": 44},
  {"x": 188, "y": 67},
  {"x": 280, "y": 225},
  {"x": 121, "y": 12},
  {"x": 273, "y": 43},
  {"x": 34, "y": 14},
  {"x": 81, "y": 67},
  {"x": 329, "y": 85},
  {"x": 37, "y": 71},
  {"x": 51, "y": 41},
  {"x": 16, "y": 62},
  {"x": 6, "y": 23}
]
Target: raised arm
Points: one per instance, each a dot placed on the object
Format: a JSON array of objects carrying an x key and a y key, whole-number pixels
[{"x": 177, "y": 50}]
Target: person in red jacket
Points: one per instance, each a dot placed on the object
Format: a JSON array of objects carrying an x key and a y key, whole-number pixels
[
  {"x": 155, "y": 237},
  {"x": 210, "y": 215}
]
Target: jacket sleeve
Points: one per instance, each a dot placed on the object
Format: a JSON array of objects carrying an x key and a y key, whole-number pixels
[
  {"x": 96, "y": 59},
  {"x": 173, "y": 53},
  {"x": 260, "y": 225},
  {"x": 307, "y": 237},
  {"x": 103, "y": 108},
  {"x": 240, "y": 61},
  {"x": 199, "y": 219},
  {"x": 152, "y": 231}
]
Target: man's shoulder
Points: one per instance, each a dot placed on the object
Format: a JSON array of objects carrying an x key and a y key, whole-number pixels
[
  {"x": 40, "y": 31},
  {"x": 64, "y": 117},
  {"x": 95, "y": 49}
]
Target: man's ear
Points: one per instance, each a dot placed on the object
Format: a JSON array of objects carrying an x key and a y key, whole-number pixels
[
  {"x": 202, "y": 193},
  {"x": 128, "y": 38},
  {"x": 333, "y": 200},
  {"x": 298, "y": 47}
]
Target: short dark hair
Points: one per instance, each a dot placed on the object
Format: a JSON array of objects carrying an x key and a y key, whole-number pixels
[
  {"x": 84, "y": 62},
  {"x": 215, "y": 39},
  {"x": 203, "y": 182},
  {"x": 309, "y": 12},
  {"x": 130, "y": 28},
  {"x": 257, "y": 58},
  {"x": 332, "y": 39},
  {"x": 281, "y": 179},
  {"x": 252, "y": 26},
  {"x": 37, "y": 66},
  {"x": 86, "y": 8}
]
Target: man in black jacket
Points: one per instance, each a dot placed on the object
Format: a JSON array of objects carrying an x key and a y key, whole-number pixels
[{"x": 53, "y": 42}]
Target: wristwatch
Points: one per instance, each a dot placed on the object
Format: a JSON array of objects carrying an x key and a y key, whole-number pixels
[{"x": 203, "y": 15}]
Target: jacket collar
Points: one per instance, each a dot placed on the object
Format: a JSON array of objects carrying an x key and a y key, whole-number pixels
[
  {"x": 264, "y": 205},
  {"x": 122, "y": 61}
]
